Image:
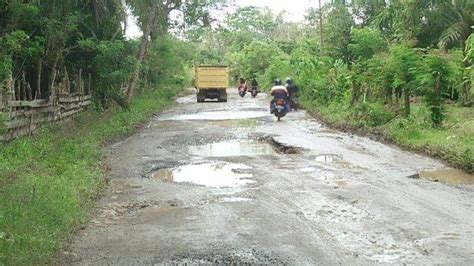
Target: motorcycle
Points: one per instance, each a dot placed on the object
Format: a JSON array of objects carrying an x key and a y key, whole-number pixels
[
  {"x": 280, "y": 110},
  {"x": 254, "y": 91},
  {"x": 294, "y": 102},
  {"x": 242, "y": 90}
]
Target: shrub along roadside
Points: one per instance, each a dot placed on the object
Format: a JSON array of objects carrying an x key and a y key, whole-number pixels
[
  {"x": 452, "y": 143},
  {"x": 48, "y": 182}
]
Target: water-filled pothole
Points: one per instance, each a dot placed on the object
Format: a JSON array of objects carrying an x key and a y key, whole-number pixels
[
  {"x": 451, "y": 176},
  {"x": 218, "y": 115},
  {"x": 233, "y": 148},
  {"x": 211, "y": 174}
]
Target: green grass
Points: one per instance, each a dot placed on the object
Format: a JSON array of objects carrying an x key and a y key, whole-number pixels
[
  {"x": 48, "y": 182},
  {"x": 452, "y": 142}
]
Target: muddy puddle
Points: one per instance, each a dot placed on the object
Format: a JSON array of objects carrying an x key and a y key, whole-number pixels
[
  {"x": 450, "y": 176},
  {"x": 218, "y": 115},
  {"x": 212, "y": 174},
  {"x": 233, "y": 148}
]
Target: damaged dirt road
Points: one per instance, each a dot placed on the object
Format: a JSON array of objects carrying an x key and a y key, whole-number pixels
[{"x": 226, "y": 183}]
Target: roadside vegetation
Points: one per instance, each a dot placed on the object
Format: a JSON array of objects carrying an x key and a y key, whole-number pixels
[
  {"x": 401, "y": 70},
  {"x": 50, "y": 180}
]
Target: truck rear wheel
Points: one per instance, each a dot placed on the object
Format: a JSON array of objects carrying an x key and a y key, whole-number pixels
[
  {"x": 222, "y": 96},
  {"x": 200, "y": 97}
]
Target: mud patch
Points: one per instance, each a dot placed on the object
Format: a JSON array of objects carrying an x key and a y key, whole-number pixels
[
  {"x": 450, "y": 176},
  {"x": 211, "y": 174},
  {"x": 110, "y": 214},
  {"x": 163, "y": 174},
  {"x": 233, "y": 148}
]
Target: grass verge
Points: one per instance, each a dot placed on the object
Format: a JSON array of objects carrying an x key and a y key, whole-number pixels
[
  {"x": 48, "y": 182},
  {"x": 453, "y": 142}
]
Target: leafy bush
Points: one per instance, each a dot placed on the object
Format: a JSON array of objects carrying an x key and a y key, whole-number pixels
[{"x": 372, "y": 114}]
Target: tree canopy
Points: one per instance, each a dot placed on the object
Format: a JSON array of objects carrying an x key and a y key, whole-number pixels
[{"x": 373, "y": 53}]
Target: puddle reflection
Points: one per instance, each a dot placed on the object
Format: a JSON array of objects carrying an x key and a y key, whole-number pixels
[
  {"x": 213, "y": 174},
  {"x": 233, "y": 148}
]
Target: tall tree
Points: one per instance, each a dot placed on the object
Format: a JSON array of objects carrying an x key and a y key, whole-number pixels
[
  {"x": 338, "y": 31},
  {"x": 154, "y": 21}
]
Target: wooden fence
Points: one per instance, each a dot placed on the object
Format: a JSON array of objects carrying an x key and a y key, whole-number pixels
[{"x": 22, "y": 110}]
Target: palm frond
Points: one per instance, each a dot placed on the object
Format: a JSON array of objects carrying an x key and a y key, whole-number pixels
[{"x": 457, "y": 32}]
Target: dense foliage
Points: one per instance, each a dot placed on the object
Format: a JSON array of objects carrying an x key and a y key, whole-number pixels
[
  {"x": 49, "y": 39},
  {"x": 377, "y": 56}
]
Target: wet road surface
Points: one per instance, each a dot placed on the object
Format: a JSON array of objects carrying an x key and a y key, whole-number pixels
[{"x": 226, "y": 183}]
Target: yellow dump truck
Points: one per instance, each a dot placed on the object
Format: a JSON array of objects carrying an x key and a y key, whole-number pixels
[{"x": 211, "y": 82}]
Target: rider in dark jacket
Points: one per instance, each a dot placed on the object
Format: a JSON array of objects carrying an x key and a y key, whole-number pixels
[
  {"x": 292, "y": 93},
  {"x": 254, "y": 83},
  {"x": 291, "y": 87}
]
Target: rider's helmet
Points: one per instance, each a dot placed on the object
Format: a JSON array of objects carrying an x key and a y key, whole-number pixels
[
  {"x": 277, "y": 82},
  {"x": 289, "y": 80}
]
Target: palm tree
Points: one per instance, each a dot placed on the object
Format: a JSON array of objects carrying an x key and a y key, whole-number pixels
[{"x": 458, "y": 18}]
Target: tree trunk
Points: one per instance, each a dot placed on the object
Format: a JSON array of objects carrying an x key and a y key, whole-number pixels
[
  {"x": 406, "y": 97},
  {"x": 142, "y": 50},
  {"x": 388, "y": 95},
  {"x": 52, "y": 75},
  {"x": 38, "y": 77},
  {"x": 321, "y": 37},
  {"x": 466, "y": 86},
  {"x": 355, "y": 92}
]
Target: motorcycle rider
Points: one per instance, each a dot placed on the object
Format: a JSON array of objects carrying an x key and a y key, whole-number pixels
[
  {"x": 292, "y": 89},
  {"x": 279, "y": 92},
  {"x": 243, "y": 84},
  {"x": 254, "y": 82}
]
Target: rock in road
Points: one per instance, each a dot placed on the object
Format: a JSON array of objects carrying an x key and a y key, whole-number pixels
[{"x": 225, "y": 183}]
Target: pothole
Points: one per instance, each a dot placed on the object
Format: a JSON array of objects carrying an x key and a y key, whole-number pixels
[
  {"x": 233, "y": 148},
  {"x": 210, "y": 174},
  {"x": 281, "y": 147},
  {"x": 450, "y": 176},
  {"x": 228, "y": 255}
]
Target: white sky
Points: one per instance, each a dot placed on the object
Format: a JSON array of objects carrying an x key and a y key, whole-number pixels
[{"x": 294, "y": 11}]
